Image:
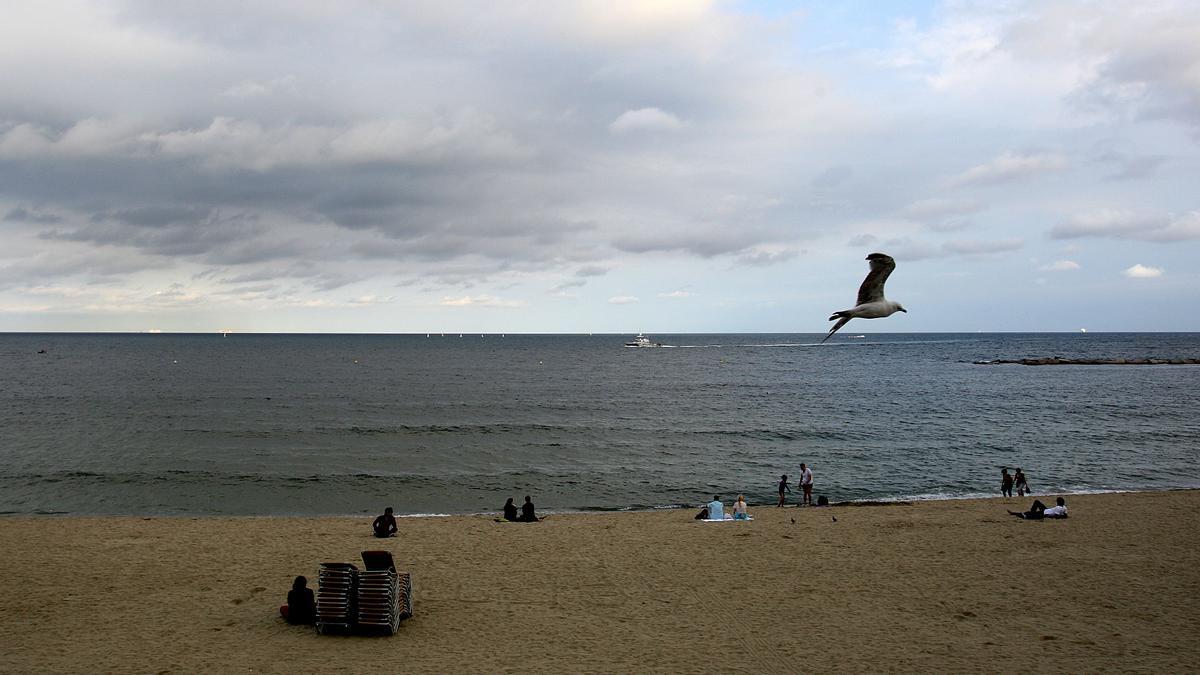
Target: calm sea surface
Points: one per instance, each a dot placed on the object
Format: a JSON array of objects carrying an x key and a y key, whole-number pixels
[{"x": 347, "y": 424}]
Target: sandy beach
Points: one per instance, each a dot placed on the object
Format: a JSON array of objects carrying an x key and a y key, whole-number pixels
[{"x": 956, "y": 585}]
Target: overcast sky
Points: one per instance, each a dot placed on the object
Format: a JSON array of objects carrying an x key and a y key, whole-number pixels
[{"x": 597, "y": 166}]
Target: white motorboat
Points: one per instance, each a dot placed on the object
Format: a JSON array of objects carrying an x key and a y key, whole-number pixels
[{"x": 642, "y": 341}]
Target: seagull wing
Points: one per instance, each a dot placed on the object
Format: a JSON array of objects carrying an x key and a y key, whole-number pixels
[{"x": 872, "y": 287}]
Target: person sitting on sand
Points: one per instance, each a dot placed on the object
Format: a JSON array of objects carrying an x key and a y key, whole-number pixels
[
  {"x": 301, "y": 607},
  {"x": 510, "y": 511},
  {"x": 1006, "y": 483},
  {"x": 739, "y": 509},
  {"x": 1039, "y": 511},
  {"x": 716, "y": 509},
  {"x": 703, "y": 515},
  {"x": 385, "y": 525},
  {"x": 527, "y": 514},
  {"x": 783, "y": 486}
]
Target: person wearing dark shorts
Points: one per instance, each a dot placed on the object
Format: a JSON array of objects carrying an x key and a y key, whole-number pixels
[
  {"x": 806, "y": 484},
  {"x": 1006, "y": 483},
  {"x": 1038, "y": 510},
  {"x": 783, "y": 487},
  {"x": 385, "y": 525}
]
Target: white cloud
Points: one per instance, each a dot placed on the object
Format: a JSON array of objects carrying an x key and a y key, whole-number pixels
[
  {"x": 1010, "y": 167},
  {"x": 1140, "y": 271},
  {"x": 940, "y": 208},
  {"x": 644, "y": 119},
  {"x": 479, "y": 301},
  {"x": 622, "y": 300},
  {"x": 1119, "y": 224},
  {"x": 1060, "y": 266},
  {"x": 675, "y": 294},
  {"x": 976, "y": 247}
]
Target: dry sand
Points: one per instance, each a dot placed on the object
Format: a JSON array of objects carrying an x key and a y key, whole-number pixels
[{"x": 955, "y": 586}]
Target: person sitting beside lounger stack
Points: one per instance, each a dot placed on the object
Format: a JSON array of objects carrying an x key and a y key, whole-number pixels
[
  {"x": 739, "y": 509},
  {"x": 1038, "y": 510},
  {"x": 301, "y": 608}
]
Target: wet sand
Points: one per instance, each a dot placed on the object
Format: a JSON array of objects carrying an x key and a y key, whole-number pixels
[{"x": 956, "y": 585}]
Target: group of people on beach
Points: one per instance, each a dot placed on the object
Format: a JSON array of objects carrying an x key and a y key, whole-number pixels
[
  {"x": 715, "y": 510},
  {"x": 1010, "y": 481},
  {"x": 527, "y": 514},
  {"x": 806, "y": 486}
]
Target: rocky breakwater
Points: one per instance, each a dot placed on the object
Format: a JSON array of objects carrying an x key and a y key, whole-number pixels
[{"x": 1059, "y": 361}]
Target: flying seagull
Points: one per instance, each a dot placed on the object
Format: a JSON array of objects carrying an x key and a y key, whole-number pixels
[{"x": 871, "y": 303}]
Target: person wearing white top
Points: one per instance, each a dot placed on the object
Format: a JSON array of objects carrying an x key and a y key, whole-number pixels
[
  {"x": 806, "y": 484},
  {"x": 739, "y": 509},
  {"x": 1038, "y": 510}
]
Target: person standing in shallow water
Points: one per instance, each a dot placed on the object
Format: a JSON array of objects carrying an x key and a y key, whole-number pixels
[
  {"x": 783, "y": 487},
  {"x": 1022, "y": 485},
  {"x": 806, "y": 484},
  {"x": 1006, "y": 483}
]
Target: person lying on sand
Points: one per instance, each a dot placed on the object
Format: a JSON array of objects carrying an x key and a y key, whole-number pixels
[
  {"x": 385, "y": 525},
  {"x": 1038, "y": 510}
]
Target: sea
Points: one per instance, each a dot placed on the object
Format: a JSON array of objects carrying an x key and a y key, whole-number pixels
[{"x": 286, "y": 424}]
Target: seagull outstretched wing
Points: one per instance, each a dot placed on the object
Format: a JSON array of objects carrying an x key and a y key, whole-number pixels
[{"x": 872, "y": 287}]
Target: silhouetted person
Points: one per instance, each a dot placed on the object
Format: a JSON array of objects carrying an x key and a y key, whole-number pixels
[
  {"x": 1038, "y": 510},
  {"x": 527, "y": 514},
  {"x": 1006, "y": 483},
  {"x": 510, "y": 511},
  {"x": 703, "y": 515},
  {"x": 385, "y": 525},
  {"x": 783, "y": 487},
  {"x": 1021, "y": 484},
  {"x": 301, "y": 607}
]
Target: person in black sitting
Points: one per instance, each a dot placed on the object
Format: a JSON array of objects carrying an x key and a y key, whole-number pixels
[
  {"x": 510, "y": 511},
  {"x": 385, "y": 525},
  {"x": 527, "y": 515},
  {"x": 301, "y": 607}
]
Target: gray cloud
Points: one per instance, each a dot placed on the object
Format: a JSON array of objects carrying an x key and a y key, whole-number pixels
[
  {"x": 1009, "y": 167},
  {"x": 1130, "y": 225},
  {"x": 24, "y": 215}
]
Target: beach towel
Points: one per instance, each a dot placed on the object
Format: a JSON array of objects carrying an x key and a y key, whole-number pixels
[{"x": 726, "y": 520}]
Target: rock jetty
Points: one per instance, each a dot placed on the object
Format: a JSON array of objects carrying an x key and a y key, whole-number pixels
[{"x": 1059, "y": 361}]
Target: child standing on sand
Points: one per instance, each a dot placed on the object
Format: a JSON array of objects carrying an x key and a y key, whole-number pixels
[{"x": 783, "y": 487}]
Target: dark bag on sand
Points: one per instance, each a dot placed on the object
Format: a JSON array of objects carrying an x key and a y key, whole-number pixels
[{"x": 822, "y": 501}]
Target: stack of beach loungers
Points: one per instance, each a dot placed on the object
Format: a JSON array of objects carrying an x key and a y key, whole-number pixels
[
  {"x": 374, "y": 600},
  {"x": 335, "y": 597}
]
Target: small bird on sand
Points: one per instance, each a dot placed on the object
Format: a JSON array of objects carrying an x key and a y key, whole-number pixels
[
  {"x": 834, "y": 518},
  {"x": 871, "y": 303},
  {"x": 793, "y": 521}
]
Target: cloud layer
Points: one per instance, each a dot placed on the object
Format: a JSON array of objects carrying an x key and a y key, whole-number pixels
[{"x": 581, "y": 165}]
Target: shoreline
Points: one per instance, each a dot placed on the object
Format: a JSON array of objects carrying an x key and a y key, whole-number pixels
[
  {"x": 954, "y": 585},
  {"x": 869, "y": 501}
]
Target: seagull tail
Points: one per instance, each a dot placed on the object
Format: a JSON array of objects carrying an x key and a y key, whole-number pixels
[{"x": 841, "y": 322}]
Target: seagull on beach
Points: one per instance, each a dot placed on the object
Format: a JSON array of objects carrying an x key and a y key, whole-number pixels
[{"x": 871, "y": 303}]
